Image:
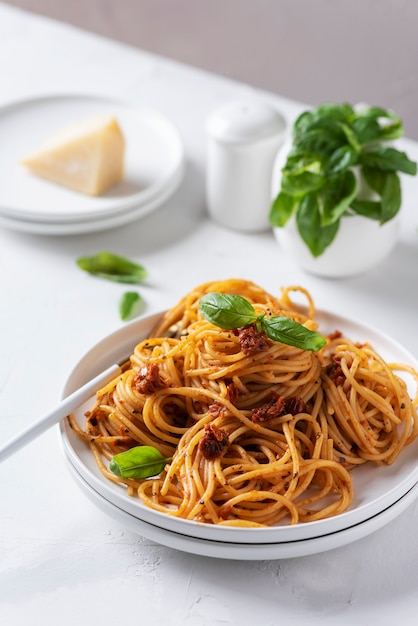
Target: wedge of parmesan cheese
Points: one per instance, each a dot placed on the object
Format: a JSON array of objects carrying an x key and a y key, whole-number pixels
[{"x": 87, "y": 157}]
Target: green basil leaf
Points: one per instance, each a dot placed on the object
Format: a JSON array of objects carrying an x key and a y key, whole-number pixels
[
  {"x": 387, "y": 184},
  {"x": 112, "y": 267},
  {"x": 292, "y": 333},
  {"x": 324, "y": 116},
  {"x": 368, "y": 208},
  {"x": 301, "y": 173},
  {"x": 302, "y": 124},
  {"x": 387, "y": 125},
  {"x": 281, "y": 209},
  {"x": 341, "y": 159},
  {"x": 128, "y": 304},
  {"x": 375, "y": 178},
  {"x": 318, "y": 141},
  {"x": 391, "y": 197},
  {"x": 388, "y": 159},
  {"x": 301, "y": 161},
  {"x": 351, "y": 137},
  {"x": 337, "y": 196},
  {"x": 308, "y": 220},
  {"x": 226, "y": 310},
  {"x": 374, "y": 113},
  {"x": 367, "y": 129},
  {"x": 336, "y": 112},
  {"x": 392, "y": 131},
  {"x": 139, "y": 462}
]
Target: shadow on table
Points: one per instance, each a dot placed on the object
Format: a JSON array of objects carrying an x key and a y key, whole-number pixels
[
  {"x": 174, "y": 220},
  {"x": 398, "y": 274},
  {"x": 353, "y": 581}
]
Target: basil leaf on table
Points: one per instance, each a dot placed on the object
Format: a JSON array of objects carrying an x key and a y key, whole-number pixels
[
  {"x": 139, "y": 462},
  {"x": 128, "y": 304},
  {"x": 112, "y": 267},
  {"x": 229, "y": 311}
]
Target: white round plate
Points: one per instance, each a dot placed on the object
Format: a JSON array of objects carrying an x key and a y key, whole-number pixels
[
  {"x": 114, "y": 220},
  {"x": 244, "y": 551},
  {"x": 153, "y": 157},
  {"x": 376, "y": 488}
]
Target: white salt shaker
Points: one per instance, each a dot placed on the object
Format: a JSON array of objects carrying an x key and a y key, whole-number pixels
[{"x": 243, "y": 140}]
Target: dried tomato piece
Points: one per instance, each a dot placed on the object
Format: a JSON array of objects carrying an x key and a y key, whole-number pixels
[
  {"x": 148, "y": 379},
  {"x": 251, "y": 339},
  {"x": 335, "y": 371},
  {"x": 278, "y": 407},
  {"x": 214, "y": 442},
  {"x": 216, "y": 409},
  {"x": 232, "y": 392},
  {"x": 295, "y": 405}
]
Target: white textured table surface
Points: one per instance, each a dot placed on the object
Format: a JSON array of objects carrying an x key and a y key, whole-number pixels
[{"x": 63, "y": 561}]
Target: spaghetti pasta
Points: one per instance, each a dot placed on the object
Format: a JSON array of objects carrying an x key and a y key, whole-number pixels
[{"x": 257, "y": 436}]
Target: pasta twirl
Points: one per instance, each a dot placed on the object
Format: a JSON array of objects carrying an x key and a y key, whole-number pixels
[{"x": 256, "y": 437}]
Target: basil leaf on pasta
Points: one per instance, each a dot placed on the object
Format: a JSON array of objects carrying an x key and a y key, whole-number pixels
[
  {"x": 229, "y": 311},
  {"x": 226, "y": 310},
  {"x": 139, "y": 462},
  {"x": 292, "y": 333}
]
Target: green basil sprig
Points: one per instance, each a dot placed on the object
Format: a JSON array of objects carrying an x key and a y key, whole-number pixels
[
  {"x": 229, "y": 311},
  {"x": 138, "y": 462},
  {"x": 112, "y": 267},
  {"x": 318, "y": 185}
]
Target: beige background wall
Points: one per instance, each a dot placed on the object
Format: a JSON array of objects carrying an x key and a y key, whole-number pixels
[{"x": 309, "y": 50}]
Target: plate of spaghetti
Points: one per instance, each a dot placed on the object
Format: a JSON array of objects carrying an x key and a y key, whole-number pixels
[{"x": 258, "y": 441}]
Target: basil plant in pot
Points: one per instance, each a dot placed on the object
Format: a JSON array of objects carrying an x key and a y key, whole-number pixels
[{"x": 339, "y": 191}]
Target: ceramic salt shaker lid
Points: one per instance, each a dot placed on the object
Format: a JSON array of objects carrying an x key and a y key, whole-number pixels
[{"x": 243, "y": 140}]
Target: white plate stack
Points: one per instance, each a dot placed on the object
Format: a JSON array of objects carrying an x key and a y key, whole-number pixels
[{"x": 154, "y": 166}]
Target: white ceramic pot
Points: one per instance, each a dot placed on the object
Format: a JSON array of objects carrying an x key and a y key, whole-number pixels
[{"x": 359, "y": 245}]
